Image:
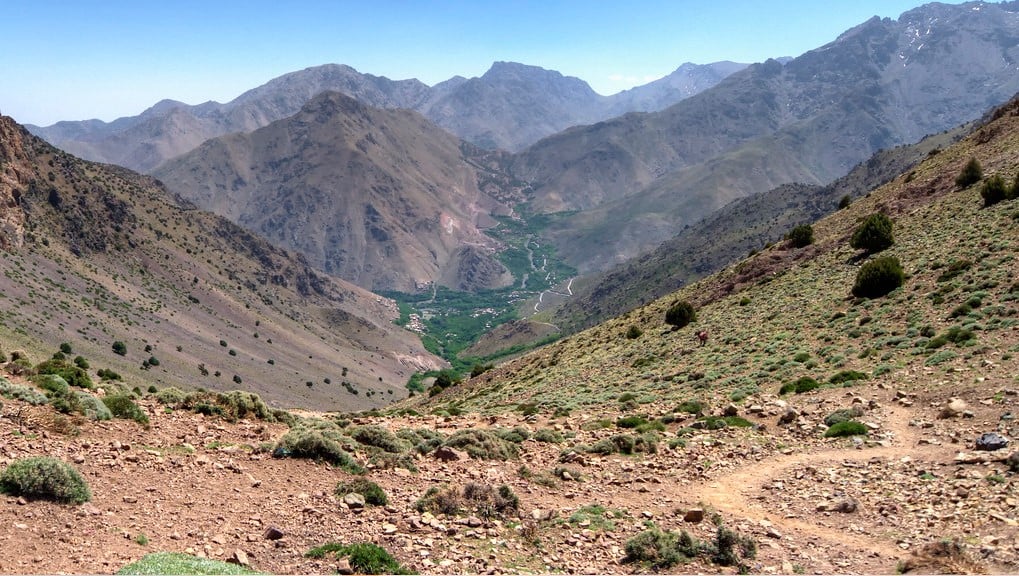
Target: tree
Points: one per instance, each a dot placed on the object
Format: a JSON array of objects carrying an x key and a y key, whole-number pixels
[
  {"x": 845, "y": 202},
  {"x": 119, "y": 348},
  {"x": 680, "y": 314},
  {"x": 971, "y": 173},
  {"x": 994, "y": 190},
  {"x": 878, "y": 277},
  {"x": 802, "y": 235},
  {"x": 874, "y": 235}
]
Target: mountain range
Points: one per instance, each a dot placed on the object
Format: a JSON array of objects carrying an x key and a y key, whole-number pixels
[
  {"x": 362, "y": 192},
  {"x": 509, "y": 107}
]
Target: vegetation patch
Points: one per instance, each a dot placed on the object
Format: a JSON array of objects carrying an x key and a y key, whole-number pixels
[
  {"x": 364, "y": 558},
  {"x": 317, "y": 440},
  {"x": 122, "y": 405},
  {"x": 483, "y": 444},
  {"x": 372, "y": 492},
  {"x": 846, "y": 428},
  {"x": 800, "y": 386},
  {"x": 178, "y": 563},
  {"x": 44, "y": 478}
]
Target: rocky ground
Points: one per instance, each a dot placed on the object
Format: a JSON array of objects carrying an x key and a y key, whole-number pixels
[{"x": 197, "y": 484}]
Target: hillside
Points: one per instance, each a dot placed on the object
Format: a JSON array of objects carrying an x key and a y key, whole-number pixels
[
  {"x": 637, "y": 180},
  {"x": 741, "y": 227},
  {"x": 609, "y": 453},
  {"x": 381, "y": 198},
  {"x": 95, "y": 254}
]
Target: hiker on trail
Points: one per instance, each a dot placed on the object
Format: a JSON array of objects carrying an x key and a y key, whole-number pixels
[{"x": 703, "y": 337}]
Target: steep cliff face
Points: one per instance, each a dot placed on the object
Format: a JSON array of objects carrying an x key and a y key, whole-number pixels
[{"x": 14, "y": 178}]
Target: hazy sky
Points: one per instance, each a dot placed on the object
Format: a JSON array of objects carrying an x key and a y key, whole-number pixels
[{"x": 81, "y": 59}]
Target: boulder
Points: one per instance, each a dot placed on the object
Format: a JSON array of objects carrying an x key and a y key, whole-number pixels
[
  {"x": 991, "y": 441},
  {"x": 694, "y": 515},
  {"x": 447, "y": 454}
]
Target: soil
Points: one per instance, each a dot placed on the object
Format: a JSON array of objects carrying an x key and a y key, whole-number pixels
[{"x": 197, "y": 484}]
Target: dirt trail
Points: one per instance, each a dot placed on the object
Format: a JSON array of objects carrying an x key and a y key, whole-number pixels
[{"x": 734, "y": 494}]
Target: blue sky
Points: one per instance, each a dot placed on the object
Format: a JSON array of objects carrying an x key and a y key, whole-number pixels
[{"x": 81, "y": 59}]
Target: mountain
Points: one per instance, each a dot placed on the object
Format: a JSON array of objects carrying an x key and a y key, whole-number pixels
[
  {"x": 745, "y": 225},
  {"x": 382, "y": 198},
  {"x": 95, "y": 254},
  {"x": 686, "y": 81},
  {"x": 637, "y": 180},
  {"x": 513, "y": 105},
  {"x": 510, "y": 106}
]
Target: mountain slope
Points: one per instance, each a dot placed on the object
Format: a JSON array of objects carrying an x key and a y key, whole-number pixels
[
  {"x": 743, "y": 226},
  {"x": 381, "y": 198},
  {"x": 95, "y": 254},
  {"x": 881, "y": 84}
]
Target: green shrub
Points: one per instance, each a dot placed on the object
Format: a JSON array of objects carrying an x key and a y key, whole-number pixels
[
  {"x": 680, "y": 314},
  {"x": 440, "y": 499},
  {"x": 171, "y": 396},
  {"x": 81, "y": 362},
  {"x": 846, "y": 428},
  {"x": 994, "y": 191},
  {"x": 548, "y": 435},
  {"x": 874, "y": 234},
  {"x": 633, "y": 332},
  {"x": 800, "y": 386},
  {"x": 971, "y": 173},
  {"x": 630, "y": 421},
  {"x": 940, "y": 358},
  {"x": 661, "y": 550},
  {"x": 802, "y": 235},
  {"x": 372, "y": 492},
  {"x": 44, "y": 478},
  {"x": 847, "y": 376},
  {"x": 123, "y": 406},
  {"x": 27, "y": 394},
  {"x": 424, "y": 440},
  {"x": 483, "y": 444},
  {"x": 92, "y": 407},
  {"x": 516, "y": 434},
  {"x": 726, "y": 544},
  {"x": 379, "y": 437},
  {"x": 845, "y": 201},
  {"x": 490, "y": 502},
  {"x": 317, "y": 442},
  {"x": 878, "y": 277},
  {"x": 843, "y": 415},
  {"x": 178, "y": 563},
  {"x": 955, "y": 268},
  {"x": 690, "y": 407},
  {"x": 54, "y": 385},
  {"x": 73, "y": 375},
  {"x": 119, "y": 348},
  {"x": 364, "y": 558}
]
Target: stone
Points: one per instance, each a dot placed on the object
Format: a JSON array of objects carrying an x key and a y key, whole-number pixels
[
  {"x": 343, "y": 566},
  {"x": 447, "y": 454},
  {"x": 991, "y": 441},
  {"x": 694, "y": 515},
  {"x": 843, "y": 505},
  {"x": 540, "y": 515},
  {"x": 954, "y": 408},
  {"x": 354, "y": 500},
  {"x": 731, "y": 410},
  {"x": 239, "y": 557},
  {"x": 788, "y": 417},
  {"x": 272, "y": 533}
]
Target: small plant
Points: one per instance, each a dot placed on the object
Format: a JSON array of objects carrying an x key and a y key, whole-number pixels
[
  {"x": 364, "y": 558},
  {"x": 844, "y": 202},
  {"x": 731, "y": 548},
  {"x": 124, "y": 406},
  {"x": 680, "y": 314},
  {"x": 878, "y": 277},
  {"x": 483, "y": 444},
  {"x": 45, "y": 478},
  {"x": 847, "y": 376},
  {"x": 800, "y": 386},
  {"x": 372, "y": 492},
  {"x": 994, "y": 190},
  {"x": 971, "y": 173},
  {"x": 802, "y": 235},
  {"x": 141, "y": 539},
  {"x": 178, "y": 563},
  {"x": 661, "y": 550},
  {"x": 119, "y": 348},
  {"x": 874, "y": 234},
  {"x": 379, "y": 437},
  {"x": 630, "y": 421},
  {"x": 317, "y": 442},
  {"x": 633, "y": 332},
  {"x": 690, "y": 407},
  {"x": 846, "y": 428}
]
